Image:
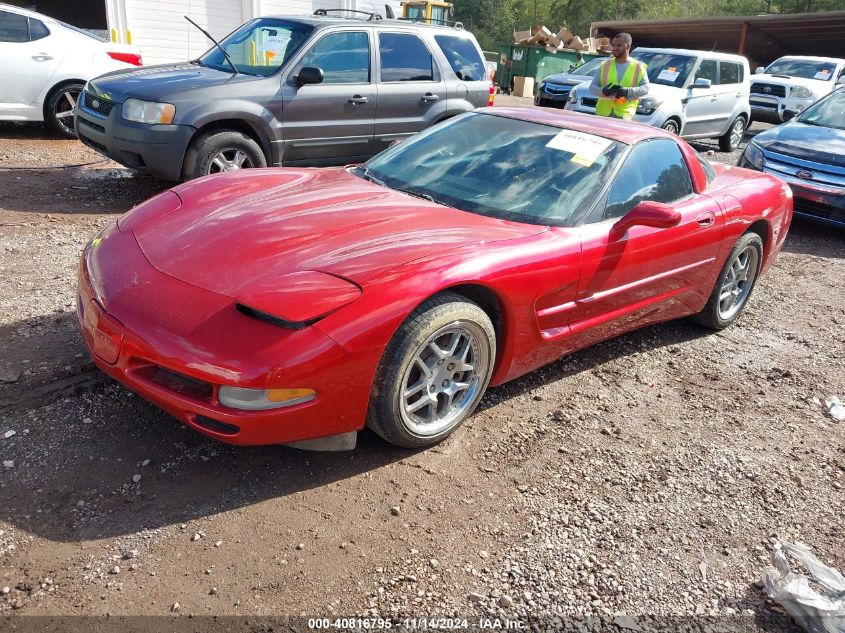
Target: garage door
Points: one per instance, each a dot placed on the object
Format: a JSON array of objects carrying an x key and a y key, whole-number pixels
[{"x": 159, "y": 29}]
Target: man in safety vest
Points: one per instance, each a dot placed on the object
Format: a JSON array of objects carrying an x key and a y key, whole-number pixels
[{"x": 620, "y": 82}]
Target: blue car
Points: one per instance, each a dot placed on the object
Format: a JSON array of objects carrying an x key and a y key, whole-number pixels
[
  {"x": 554, "y": 90},
  {"x": 808, "y": 153}
]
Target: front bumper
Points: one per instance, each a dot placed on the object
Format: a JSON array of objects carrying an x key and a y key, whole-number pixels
[
  {"x": 158, "y": 150},
  {"x": 815, "y": 200},
  {"x": 176, "y": 344},
  {"x": 768, "y": 108}
]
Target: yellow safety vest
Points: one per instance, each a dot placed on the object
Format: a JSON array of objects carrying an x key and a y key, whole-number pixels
[{"x": 622, "y": 107}]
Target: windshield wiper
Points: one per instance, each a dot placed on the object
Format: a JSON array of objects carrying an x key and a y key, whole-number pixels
[
  {"x": 366, "y": 174},
  {"x": 216, "y": 43},
  {"x": 197, "y": 62},
  {"x": 419, "y": 194}
]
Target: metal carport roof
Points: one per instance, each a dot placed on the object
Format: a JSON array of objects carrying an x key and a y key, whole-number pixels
[{"x": 761, "y": 38}]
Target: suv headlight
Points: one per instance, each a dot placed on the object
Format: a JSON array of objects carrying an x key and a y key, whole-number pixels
[
  {"x": 647, "y": 105},
  {"x": 148, "y": 112},
  {"x": 800, "y": 92},
  {"x": 753, "y": 156}
]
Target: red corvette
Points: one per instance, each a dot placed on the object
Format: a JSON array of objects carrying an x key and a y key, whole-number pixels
[{"x": 281, "y": 305}]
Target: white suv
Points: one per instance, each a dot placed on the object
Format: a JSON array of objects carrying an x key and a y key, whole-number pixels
[
  {"x": 45, "y": 63},
  {"x": 791, "y": 84},
  {"x": 696, "y": 94}
]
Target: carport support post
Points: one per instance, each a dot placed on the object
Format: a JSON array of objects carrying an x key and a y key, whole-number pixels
[{"x": 742, "y": 33}]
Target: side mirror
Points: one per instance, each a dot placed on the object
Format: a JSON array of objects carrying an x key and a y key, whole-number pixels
[
  {"x": 649, "y": 213},
  {"x": 701, "y": 83},
  {"x": 309, "y": 75},
  {"x": 841, "y": 80},
  {"x": 759, "y": 70}
]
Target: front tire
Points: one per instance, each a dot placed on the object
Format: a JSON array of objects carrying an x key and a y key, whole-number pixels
[
  {"x": 433, "y": 372},
  {"x": 222, "y": 150},
  {"x": 58, "y": 112},
  {"x": 731, "y": 139},
  {"x": 734, "y": 284},
  {"x": 672, "y": 126}
]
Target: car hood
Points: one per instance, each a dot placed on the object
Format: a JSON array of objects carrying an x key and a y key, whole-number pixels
[
  {"x": 816, "y": 85},
  {"x": 236, "y": 231},
  {"x": 808, "y": 142},
  {"x": 164, "y": 82},
  {"x": 567, "y": 79}
]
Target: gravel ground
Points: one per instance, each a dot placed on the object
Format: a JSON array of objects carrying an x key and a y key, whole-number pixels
[{"x": 646, "y": 477}]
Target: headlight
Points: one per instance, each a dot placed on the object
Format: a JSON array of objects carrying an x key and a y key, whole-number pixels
[
  {"x": 647, "y": 105},
  {"x": 148, "y": 112},
  {"x": 261, "y": 399},
  {"x": 800, "y": 92},
  {"x": 542, "y": 86},
  {"x": 754, "y": 156}
]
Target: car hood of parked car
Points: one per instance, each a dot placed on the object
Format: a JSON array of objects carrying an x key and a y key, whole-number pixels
[
  {"x": 567, "y": 79},
  {"x": 161, "y": 83},
  {"x": 809, "y": 142},
  {"x": 236, "y": 231},
  {"x": 818, "y": 86}
]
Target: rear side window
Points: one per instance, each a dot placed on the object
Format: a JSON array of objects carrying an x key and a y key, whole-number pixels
[
  {"x": 462, "y": 56},
  {"x": 37, "y": 30},
  {"x": 404, "y": 57},
  {"x": 343, "y": 57},
  {"x": 654, "y": 170},
  {"x": 13, "y": 27},
  {"x": 730, "y": 73}
]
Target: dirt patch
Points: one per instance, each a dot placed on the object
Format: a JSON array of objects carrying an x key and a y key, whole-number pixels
[{"x": 647, "y": 475}]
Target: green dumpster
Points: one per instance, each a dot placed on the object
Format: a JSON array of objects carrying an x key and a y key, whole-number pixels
[{"x": 533, "y": 61}]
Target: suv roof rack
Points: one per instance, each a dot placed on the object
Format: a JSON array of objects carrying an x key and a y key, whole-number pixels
[
  {"x": 422, "y": 20},
  {"x": 372, "y": 16}
]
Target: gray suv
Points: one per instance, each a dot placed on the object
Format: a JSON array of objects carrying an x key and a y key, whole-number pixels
[{"x": 313, "y": 90}]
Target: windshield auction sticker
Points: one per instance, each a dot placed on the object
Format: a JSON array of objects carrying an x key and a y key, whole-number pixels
[
  {"x": 668, "y": 74},
  {"x": 823, "y": 74},
  {"x": 585, "y": 148}
]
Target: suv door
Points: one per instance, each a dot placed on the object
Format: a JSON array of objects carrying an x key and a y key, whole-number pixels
[
  {"x": 731, "y": 79},
  {"x": 645, "y": 274},
  {"x": 411, "y": 89},
  {"x": 703, "y": 111},
  {"x": 29, "y": 57},
  {"x": 331, "y": 122}
]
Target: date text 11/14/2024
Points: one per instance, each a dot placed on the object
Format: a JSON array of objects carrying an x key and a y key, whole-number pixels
[{"x": 417, "y": 624}]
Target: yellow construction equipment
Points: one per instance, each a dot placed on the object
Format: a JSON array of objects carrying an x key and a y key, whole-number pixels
[{"x": 431, "y": 11}]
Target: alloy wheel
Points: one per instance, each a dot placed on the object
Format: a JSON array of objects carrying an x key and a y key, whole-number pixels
[
  {"x": 738, "y": 282},
  {"x": 63, "y": 109},
  {"x": 442, "y": 380},
  {"x": 737, "y": 131},
  {"x": 229, "y": 160}
]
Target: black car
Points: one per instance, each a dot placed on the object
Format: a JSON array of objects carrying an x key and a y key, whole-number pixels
[
  {"x": 808, "y": 153},
  {"x": 554, "y": 90}
]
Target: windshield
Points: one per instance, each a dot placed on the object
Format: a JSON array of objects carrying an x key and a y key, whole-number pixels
[
  {"x": 588, "y": 70},
  {"x": 829, "y": 112},
  {"x": 805, "y": 69},
  {"x": 259, "y": 47},
  {"x": 500, "y": 167},
  {"x": 666, "y": 69}
]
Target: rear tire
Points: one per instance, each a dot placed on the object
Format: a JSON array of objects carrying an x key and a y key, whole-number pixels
[
  {"x": 433, "y": 372},
  {"x": 219, "y": 151},
  {"x": 58, "y": 111},
  {"x": 731, "y": 139},
  {"x": 734, "y": 285}
]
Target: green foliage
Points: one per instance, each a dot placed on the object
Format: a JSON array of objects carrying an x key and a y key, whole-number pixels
[{"x": 493, "y": 21}]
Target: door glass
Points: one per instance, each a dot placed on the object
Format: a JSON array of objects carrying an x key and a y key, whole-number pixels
[
  {"x": 344, "y": 58},
  {"x": 730, "y": 73},
  {"x": 13, "y": 27},
  {"x": 463, "y": 57},
  {"x": 404, "y": 58},
  {"x": 707, "y": 70},
  {"x": 654, "y": 170},
  {"x": 37, "y": 30}
]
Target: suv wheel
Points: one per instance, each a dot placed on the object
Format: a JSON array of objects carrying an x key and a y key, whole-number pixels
[
  {"x": 222, "y": 150},
  {"x": 671, "y": 126},
  {"x": 731, "y": 139}
]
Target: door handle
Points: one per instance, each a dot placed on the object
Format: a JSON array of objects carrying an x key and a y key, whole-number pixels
[
  {"x": 42, "y": 57},
  {"x": 358, "y": 100},
  {"x": 427, "y": 97},
  {"x": 708, "y": 218},
  {"x": 712, "y": 99}
]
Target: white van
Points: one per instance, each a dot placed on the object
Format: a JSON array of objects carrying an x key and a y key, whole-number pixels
[
  {"x": 696, "y": 94},
  {"x": 789, "y": 85}
]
